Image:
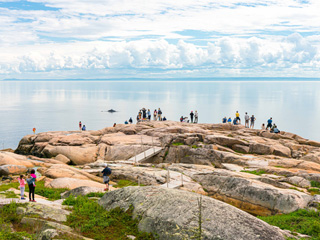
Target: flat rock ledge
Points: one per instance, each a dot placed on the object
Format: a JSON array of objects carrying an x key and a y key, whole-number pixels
[{"x": 174, "y": 214}]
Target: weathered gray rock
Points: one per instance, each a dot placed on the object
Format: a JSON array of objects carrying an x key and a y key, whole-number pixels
[
  {"x": 173, "y": 214},
  {"x": 251, "y": 195},
  {"x": 224, "y": 140},
  {"x": 259, "y": 148},
  {"x": 81, "y": 191},
  {"x": 240, "y": 148},
  {"x": 46, "y": 212},
  {"x": 298, "y": 181},
  {"x": 48, "y": 234}
]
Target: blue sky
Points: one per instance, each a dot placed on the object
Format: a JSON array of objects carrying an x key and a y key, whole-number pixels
[{"x": 162, "y": 39}]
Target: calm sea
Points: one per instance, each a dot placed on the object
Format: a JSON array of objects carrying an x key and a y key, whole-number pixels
[{"x": 60, "y": 105}]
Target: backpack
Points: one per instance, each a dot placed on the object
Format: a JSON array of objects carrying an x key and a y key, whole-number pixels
[{"x": 29, "y": 181}]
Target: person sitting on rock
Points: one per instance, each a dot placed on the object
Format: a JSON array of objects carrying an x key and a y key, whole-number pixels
[
  {"x": 276, "y": 130},
  {"x": 164, "y": 119},
  {"x": 263, "y": 127},
  {"x": 224, "y": 120},
  {"x": 106, "y": 173},
  {"x": 229, "y": 120},
  {"x": 130, "y": 120},
  {"x": 181, "y": 119},
  {"x": 126, "y": 122},
  {"x": 235, "y": 121},
  {"x": 84, "y": 128}
]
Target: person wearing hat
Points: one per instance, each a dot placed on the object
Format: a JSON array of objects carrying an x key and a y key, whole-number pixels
[{"x": 106, "y": 173}]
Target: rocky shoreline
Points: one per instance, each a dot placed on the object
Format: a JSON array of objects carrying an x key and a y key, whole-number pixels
[{"x": 256, "y": 171}]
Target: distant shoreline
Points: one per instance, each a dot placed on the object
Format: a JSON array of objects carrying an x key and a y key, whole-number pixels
[{"x": 222, "y": 79}]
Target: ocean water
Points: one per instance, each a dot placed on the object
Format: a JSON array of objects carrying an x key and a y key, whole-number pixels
[{"x": 60, "y": 105}]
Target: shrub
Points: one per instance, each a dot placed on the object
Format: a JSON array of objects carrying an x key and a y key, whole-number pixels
[
  {"x": 315, "y": 184},
  {"x": 50, "y": 193},
  {"x": 125, "y": 183},
  {"x": 177, "y": 144},
  {"x": 70, "y": 201},
  {"x": 301, "y": 221},
  {"x": 95, "y": 194},
  {"x": 93, "y": 221}
]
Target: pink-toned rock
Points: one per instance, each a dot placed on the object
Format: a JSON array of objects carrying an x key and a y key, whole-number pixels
[
  {"x": 12, "y": 170},
  {"x": 72, "y": 183},
  {"x": 62, "y": 158},
  {"x": 8, "y": 158}
]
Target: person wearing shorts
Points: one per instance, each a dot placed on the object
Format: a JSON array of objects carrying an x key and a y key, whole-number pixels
[
  {"x": 269, "y": 125},
  {"x": 106, "y": 172},
  {"x": 238, "y": 117}
]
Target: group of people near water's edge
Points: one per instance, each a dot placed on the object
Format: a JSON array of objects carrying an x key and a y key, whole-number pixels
[
  {"x": 193, "y": 117},
  {"x": 145, "y": 115},
  {"x": 236, "y": 121},
  {"x": 82, "y": 128},
  {"x": 31, "y": 181}
]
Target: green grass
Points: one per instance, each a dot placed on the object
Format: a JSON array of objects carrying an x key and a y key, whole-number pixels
[
  {"x": 6, "y": 186},
  {"x": 255, "y": 172},
  {"x": 177, "y": 144},
  {"x": 301, "y": 221},
  {"x": 95, "y": 194},
  {"x": 314, "y": 191},
  {"x": 315, "y": 184},
  {"x": 50, "y": 193},
  {"x": 11, "y": 194},
  {"x": 93, "y": 221},
  {"x": 195, "y": 146},
  {"x": 125, "y": 183},
  {"x": 69, "y": 201}
]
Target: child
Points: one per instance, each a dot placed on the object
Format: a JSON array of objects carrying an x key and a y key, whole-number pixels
[
  {"x": 106, "y": 172},
  {"x": 22, "y": 186},
  {"x": 32, "y": 185}
]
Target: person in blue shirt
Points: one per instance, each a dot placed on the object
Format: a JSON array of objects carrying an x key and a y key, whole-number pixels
[
  {"x": 229, "y": 120},
  {"x": 224, "y": 120},
  {"x": 126, "y": 122},
  {"x": 269, "y": 125},
  {"x": 235, "y": 121},
  {"x": 84, "y": 128}
]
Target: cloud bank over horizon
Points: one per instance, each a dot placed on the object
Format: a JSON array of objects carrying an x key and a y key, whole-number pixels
[{"x": 162, "y": 39}]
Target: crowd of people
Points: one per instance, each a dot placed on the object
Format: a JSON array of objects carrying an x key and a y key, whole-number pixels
[
  {"x": 145, "y": 115},
  {"x": 193, "y": 117},
  {"x": 249, "y": 122}
]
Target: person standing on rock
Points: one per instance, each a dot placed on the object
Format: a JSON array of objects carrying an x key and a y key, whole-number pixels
[
  {"x": 32, "y": 185},
  {"x": 196, "y": 117},
  {"x": 34, "y": 130},
  {"x": 149, "y": 114},
  {"x": 269, "y": 125},
  {"x": 246, "y": 118},
  {"x": 130, "y": 120},
  {"x": 252, "y": 119},
  {"x": 106, "y": 173},
  {"x": 159, "y": 114},
  {"x": 238, "y": 117},
  {"x": 155, "y": 113},
  {"x": 191, "y": 116},
  {"x": 80, "y": 125},
  {"x": 22, "y": 183}
]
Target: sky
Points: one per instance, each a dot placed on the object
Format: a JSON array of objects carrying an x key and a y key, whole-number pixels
[{"x": 89, "y": 39}]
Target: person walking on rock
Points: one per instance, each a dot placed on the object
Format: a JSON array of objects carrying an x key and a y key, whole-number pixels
[
  {"x": 246, "y": 118},
  {"x": 196, "y": 117},
  {"x": 80, "y": 125},
  {"x": 22, "y": 183},
  {"x": 32, "y": 185},
  {"x": 191, "y": 116},
  {"x": 106, "y": 173}
]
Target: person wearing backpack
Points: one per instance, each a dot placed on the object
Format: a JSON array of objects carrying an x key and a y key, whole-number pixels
[
  {"x": 32, "y": 185},
  {"x": 106, "y": 173}
]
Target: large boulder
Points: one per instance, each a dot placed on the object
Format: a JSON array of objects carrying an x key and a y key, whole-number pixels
[
  {"x": 8, "y": 158},
  {"x": 6, "y": 170},
  {"x": 174, "y": 214},
  {"x": 72, "y": 183},
  {"x": 259, "y": 148},
  {"x": 250, "y": 194}
]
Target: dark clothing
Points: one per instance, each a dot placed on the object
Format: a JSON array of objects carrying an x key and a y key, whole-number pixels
[
  {"x": 144, "y": 115},
  {"x": 130, "y": 120},
  {"x": 191, "y": 116},
  {"x": 224, "y": 120},
  {"x": 31, "y": 191},
  {"x": 106, "y": 171}
]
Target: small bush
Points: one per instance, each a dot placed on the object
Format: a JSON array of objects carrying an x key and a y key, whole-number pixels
[
  {"x": 69, "y": 201},
  {"x": 302, "y": 221},
  {"x": 314, "y": 191},
  {"x": 5, "y": 187},
  {"x": 95, "y": 194},
  {"x": 315, "y": 184}
]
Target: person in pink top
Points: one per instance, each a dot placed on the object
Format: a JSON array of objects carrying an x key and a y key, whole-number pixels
[{"x": 22, "y": 186}]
